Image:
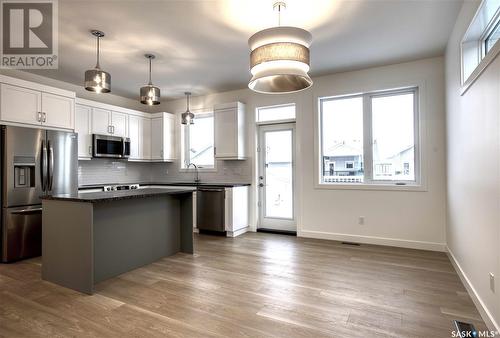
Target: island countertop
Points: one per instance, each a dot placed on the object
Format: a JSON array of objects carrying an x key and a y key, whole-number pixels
[{"x": 106, "y": 196}]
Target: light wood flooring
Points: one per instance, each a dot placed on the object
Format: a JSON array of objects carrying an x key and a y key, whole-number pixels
[{"x": 255, "y": 285}]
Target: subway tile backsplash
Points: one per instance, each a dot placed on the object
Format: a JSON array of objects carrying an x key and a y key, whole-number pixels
[
  {"x": 106, "y": 171},
  {"x": 109, "y": 171}
]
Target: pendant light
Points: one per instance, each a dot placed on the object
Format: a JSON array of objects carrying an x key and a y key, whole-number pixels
[
  {"x": 150, "y": 94},
  {"x": 97, "y": 80},
  {"x": 279, "y": 58},
  {"x": 187, "y": 116}
]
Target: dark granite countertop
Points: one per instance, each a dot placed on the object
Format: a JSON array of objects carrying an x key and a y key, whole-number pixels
[
  {"x": 94, "y": 197},
  {"x": 185, "y": 184}
]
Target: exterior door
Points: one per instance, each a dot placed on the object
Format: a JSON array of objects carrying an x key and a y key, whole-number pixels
[{"x": 277, "y": 177}]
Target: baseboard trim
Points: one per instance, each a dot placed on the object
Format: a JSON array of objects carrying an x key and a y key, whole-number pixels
[
  {"x": 402, "y": 243},
  {"x": 478, "y": 302},
  {"x": 237, "y": 232}
]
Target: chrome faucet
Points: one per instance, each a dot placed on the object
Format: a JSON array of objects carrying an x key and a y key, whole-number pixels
[{"x": 197, "y": 177}]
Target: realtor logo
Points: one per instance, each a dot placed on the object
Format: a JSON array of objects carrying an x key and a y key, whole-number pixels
[{"x": 29, "y": 34}]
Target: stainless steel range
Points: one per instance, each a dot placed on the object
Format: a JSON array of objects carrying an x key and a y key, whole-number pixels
[{"x": 121, "y": 187}]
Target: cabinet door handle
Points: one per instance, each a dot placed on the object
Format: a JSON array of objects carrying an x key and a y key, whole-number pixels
[
  {"x": 44, "y": 114},
  {"x": 109, "y": 130},
  {"x": 90, "y": 150},
  {"x": 39, "y": 116}
]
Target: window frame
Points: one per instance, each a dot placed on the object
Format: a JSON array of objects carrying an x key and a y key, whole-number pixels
[
  {"x": 370, "y": 183},
  {"x": 289, "y": 120},
  {"x": 473, "y": 52},
  {"x": 185, "y": 140}
]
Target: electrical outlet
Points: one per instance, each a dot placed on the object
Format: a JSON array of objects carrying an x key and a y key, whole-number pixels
[
  {"x": 492, "y": 282},
  {"x": 361, "y": 220}
]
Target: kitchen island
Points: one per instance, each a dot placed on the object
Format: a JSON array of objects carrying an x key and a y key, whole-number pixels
[{"x": 90, "y": 237}]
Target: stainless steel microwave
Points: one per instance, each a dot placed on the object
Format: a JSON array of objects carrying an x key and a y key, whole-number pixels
[{"x": 110, "y": 146}]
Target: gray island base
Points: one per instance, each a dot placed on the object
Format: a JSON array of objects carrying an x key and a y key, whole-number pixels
[{"x": 87, "y": 238}]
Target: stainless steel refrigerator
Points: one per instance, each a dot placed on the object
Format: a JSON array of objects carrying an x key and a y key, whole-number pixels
[{"x": 34, "y": 162}]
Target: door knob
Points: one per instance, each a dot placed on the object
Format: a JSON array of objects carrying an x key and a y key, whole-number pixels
[{"x": 261, "y": 185}]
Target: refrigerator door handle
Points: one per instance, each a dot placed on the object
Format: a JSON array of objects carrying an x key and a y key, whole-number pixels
[
  {"x": 50, "y": 172},
  {"x": 43, "y": 167},
  {"x": 26, "y": 211}
]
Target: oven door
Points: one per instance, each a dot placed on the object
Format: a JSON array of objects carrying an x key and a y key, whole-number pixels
[{"x": 107, "y": 146}]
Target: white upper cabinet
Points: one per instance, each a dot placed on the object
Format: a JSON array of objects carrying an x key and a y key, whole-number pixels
[
  {"x": 58, "y": 111},
  {"x": 119, "y": 124},
  {"x": 83, "y": 128},
  {"x": 21, "y": 105},
  {"x": 101, "y": 121},
  {"x": 146, "y": 138},
  {"x": 134, "y": 124},
  {"x": 229, "y": 127},
  {"x": 29, "y": 103},
  {"x": 140, "y": 138},
  {"x": 163, "y": 137},
  {"x": 107, "y": 122}
]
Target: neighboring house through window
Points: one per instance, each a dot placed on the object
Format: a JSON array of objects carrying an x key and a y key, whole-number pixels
[{"x": 378, "y": 130}]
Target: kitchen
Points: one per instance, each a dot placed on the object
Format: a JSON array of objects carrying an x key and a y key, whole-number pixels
[{"x": 241, "y": 168}]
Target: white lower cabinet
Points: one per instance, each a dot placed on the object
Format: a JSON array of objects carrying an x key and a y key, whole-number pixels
[
  {"x": 236, "y": 211},
  {"x": 83, "y": 128}
]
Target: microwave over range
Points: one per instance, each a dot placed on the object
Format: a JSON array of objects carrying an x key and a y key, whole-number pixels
[{"x": 110, "y": 146}]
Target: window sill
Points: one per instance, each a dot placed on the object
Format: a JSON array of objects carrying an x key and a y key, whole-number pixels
[{"x": 375, "y": 187}]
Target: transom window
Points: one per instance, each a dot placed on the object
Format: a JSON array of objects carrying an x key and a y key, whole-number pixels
[
  {"x": 479, "y": 43},
  {"x": 370, "y": 138},
  {"x": 276, "y": 113},
  {"x": 198, "y": 141}
]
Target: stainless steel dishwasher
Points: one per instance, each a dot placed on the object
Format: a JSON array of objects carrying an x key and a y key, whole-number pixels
[{"x": 210, "y": 209}]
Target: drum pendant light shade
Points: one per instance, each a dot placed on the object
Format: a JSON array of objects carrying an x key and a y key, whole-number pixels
[
  {"x": 97, "y": 80},
  {"x": 279, "y": 60},
  {"x": 150, "y": 94}
]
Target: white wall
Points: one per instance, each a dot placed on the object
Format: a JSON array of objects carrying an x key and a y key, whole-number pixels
[
  {"x": 473, "y": 171},
  {"x": 402, "y": 218}
]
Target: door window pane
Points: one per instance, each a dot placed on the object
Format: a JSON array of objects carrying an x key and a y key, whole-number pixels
[
  {"x": 393, "y": 137},
  {"x": 274, "y": 113},
  {"x": 278, "y": 168},
  {"x": 342, "y": 140}
]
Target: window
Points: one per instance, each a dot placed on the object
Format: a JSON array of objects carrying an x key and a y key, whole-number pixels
[
  {"x": 377, "y": 130},
  {"x": 198, "y": 142},
  {"x": 276, "y": 113},
  {"x": 393, "y": 138},
  {"x": 492, "y": 38},
  {"x": 479, "y": 40},
  {"x": 342, "y": 138}
]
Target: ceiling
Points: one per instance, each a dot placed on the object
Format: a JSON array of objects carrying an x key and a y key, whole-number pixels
[{"x": 201, "y": 46}]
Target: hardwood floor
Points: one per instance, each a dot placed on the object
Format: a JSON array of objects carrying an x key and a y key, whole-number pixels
[{"x": 255, "y": 285}]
